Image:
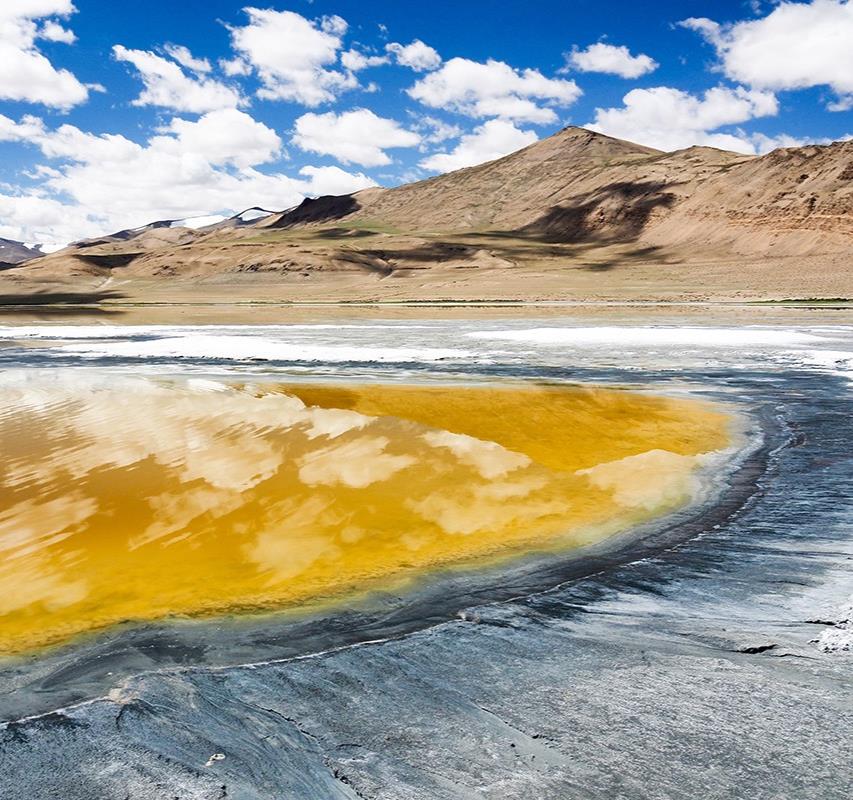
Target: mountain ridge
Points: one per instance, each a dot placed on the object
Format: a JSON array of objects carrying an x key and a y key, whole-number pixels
[{"x": 693, "y": 222}]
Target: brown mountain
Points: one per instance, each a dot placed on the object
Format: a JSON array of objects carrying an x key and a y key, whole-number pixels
[
  {"x": 12, "y": 253},
  {"x": 576, "y": 216}
]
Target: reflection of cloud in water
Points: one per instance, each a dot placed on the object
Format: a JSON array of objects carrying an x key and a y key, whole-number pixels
[
  {"x": 467, "y": 512},
  {"x": 121, "y": 422},
  {"x": 492, "y": 460},
  {"x": 129, "y": 498},
  {"x": 356, "y": 463},
  {"x": 333, "y": 422},
  {"x": 29, "y": 529},
  {"x": 29, "y": 526},
  {"x": 648, "y": 480},
  {"x": 298, "y": 534},
  {"x": 479, "y": 507},
  {"x": 174, "y": 513}
]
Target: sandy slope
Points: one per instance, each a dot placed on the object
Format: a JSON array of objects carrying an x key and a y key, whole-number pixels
[{"x": 576, "y": 216}]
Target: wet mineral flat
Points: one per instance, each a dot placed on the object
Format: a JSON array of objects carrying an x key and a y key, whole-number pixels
[{"x": 703, "y": 653}]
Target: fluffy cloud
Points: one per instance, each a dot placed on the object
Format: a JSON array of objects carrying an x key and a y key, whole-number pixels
[
  {"x": 188, "y": 168},
  {"x": 27, "y": 75},
  {"x": 292, "y": 56},
  {"x": 796, "y": 46},
  {"x": 234, "y": 67},
  {"x": 764, "y": 144},
  {"x": 670, "y": 119},
  {"x": 355, "y": 137},
  {"x": 168, "y": 86},
  {"x": 43, "y": 220},
  {"x": 491, "y": 140},
  {"x": 611, "y": 59},
  {"x": 186, "y": 59},
  {"x": 433, "y": 130},
  {"x": 494, "y": 89},
  {"x": 52, "y": 31},
  {"x": 330, "y": 180},
  {"x": 417, "y": 56},
  {"x": 222, "y": 137},
  {"x": 355, "y": 61}
]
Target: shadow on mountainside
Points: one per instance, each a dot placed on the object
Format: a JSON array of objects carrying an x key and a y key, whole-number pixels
[
  {"x": 429, "y": 252},
  {"x": 616, "y": 213},
  {"x": 613, "y": 215},
  {"x": 107, "y": 260},
  {"x": 515, "y": 250},
  {"x": 344, "y": 233},
  {"x": 636, "y": 256}
]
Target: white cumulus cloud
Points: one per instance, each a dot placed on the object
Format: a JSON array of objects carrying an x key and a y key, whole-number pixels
[
  {"x": 434, "y": 130},
  {"x": 186, "y": 59},
  {"x": 417, "y": 55},
  {"x": 671, "y": 119},
  {"x": 227, "y": 136},
  {"x": 168, "y": 86},
  {"x": 355, "y": 61},
  {"x": 234, "y": 67},
  {"x": 491, "y": 140},
  {"x": 294, "y": 57},
  {"x": 611, "y": 59},
  {"x": 494, "y": 89},
  {"x": 354, "y": 137},
  {"x": 52, "y": 31},
  {"x": 796, "y": 46},
  {"x": 26, "y": 73},
  {"x": 331, "y": 180}
]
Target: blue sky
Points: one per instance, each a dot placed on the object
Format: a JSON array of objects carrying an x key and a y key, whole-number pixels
[{"x": 115, "y": 114}]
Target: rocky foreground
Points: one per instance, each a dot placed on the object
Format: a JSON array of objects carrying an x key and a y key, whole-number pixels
[{"x": 714, "y": 662}]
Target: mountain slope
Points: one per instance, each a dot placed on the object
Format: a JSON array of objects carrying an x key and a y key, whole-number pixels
[
  {"x": 503, "y": 194},
  {"x": 581, "y": 186},
  {"x": 578, "y": 215}
]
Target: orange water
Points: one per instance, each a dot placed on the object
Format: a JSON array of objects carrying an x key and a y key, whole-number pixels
[{"x": 131, "y": 499}]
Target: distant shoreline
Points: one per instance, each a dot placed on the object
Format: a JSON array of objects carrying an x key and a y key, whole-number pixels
[{"x": 31, "y": 303}]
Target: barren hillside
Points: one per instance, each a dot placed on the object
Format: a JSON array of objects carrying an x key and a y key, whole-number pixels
[{"x": 576, "y": 216}]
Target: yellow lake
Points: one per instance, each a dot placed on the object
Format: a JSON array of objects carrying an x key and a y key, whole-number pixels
[{"x": 133, "y": 499}]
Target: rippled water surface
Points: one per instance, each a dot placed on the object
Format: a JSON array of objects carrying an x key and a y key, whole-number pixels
[
  {"x": 133, "y": 498},
  {"x": 151, "y": 471}
]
